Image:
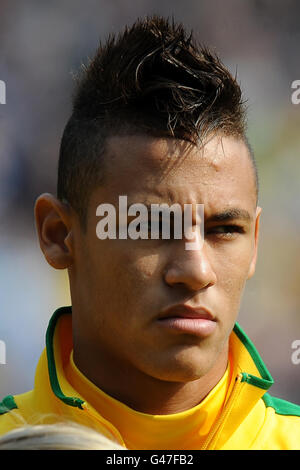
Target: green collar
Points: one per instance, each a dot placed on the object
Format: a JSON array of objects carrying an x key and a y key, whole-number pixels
[
  {"x": 266, "y": 380},
  {"x": 72, "y": 401}
]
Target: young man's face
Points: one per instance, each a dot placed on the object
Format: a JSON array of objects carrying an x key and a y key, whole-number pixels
[{"x": 120, "y": 287}]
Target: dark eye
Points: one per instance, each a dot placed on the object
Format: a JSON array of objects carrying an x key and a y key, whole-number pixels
[{"x": 226, "y": 231}]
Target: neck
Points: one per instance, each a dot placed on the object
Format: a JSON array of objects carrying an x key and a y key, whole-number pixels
[{"x": 142, "y": 392}]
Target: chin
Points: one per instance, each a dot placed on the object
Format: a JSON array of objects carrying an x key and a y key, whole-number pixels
[
  {"x": 183, "y": 368},
  {"x": 181, "y": 375}
]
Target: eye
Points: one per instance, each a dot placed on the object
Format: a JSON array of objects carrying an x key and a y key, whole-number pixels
[{"x": 226, "y": 231}]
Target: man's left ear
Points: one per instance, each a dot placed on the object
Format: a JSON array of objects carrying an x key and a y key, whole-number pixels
[{"x": 256, "y": 237}]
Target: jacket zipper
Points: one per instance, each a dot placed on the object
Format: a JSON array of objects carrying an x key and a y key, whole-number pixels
[{"x": 227, "y": 409}]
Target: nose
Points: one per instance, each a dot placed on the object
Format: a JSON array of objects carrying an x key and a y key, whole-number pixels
[{"x": 190, "y": 267}]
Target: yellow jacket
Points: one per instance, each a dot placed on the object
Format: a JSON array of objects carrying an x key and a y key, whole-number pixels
[{"x": 250, "y": 419}]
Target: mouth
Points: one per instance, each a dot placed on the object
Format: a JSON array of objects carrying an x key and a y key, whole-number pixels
[{"x": 182, "y": 318}]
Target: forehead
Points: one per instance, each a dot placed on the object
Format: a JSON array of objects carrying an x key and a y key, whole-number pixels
[{"x": 150, "y": 169}]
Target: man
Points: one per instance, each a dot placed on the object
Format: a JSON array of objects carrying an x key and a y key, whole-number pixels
[{"x": 150, "y": 353}]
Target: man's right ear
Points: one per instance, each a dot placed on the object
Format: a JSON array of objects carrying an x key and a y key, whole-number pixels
[{"x": 54, "y": 228}]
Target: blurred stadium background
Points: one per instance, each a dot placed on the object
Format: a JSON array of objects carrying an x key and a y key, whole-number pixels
[{"x": 41, "y": 44}]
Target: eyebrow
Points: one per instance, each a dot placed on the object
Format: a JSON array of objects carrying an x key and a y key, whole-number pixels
[
  {"x": 233, "y": 213},
  {"x": 230, "y": 214}
]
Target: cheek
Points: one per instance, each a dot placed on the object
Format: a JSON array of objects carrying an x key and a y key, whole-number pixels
[
  {"x": 120, "y": 272},
  {"x": 233, "y": 268},
  {"x": 233, "y": 287},
  {"x": 140, "y": 277},
  {"x": 96, "y": 271},
  {"x": 146, "y": 267}
]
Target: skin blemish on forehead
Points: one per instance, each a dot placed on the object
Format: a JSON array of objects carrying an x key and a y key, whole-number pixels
[{"x": 168, "y": 156}]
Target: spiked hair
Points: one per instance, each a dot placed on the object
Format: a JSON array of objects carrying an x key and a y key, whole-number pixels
[{"x": 152, "y": 78}]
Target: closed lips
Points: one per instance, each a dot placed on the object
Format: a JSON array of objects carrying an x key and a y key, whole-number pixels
[{"x": 185, "y": 311}]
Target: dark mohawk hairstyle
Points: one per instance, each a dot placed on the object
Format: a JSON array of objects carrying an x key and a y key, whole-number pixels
[{"x": 152, "y": 78}]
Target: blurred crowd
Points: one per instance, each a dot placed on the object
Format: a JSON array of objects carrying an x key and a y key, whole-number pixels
[{"x": 42, "y": 45}]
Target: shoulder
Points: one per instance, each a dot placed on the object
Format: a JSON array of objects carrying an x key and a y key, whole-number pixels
[
  {"x": 8, "y": 403},
  {"x": 12, "y": 413},
  {"x": 9, "y": 414},
  {"x": 282, "y": 424},
  {"x": 281, "y": 407}
]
